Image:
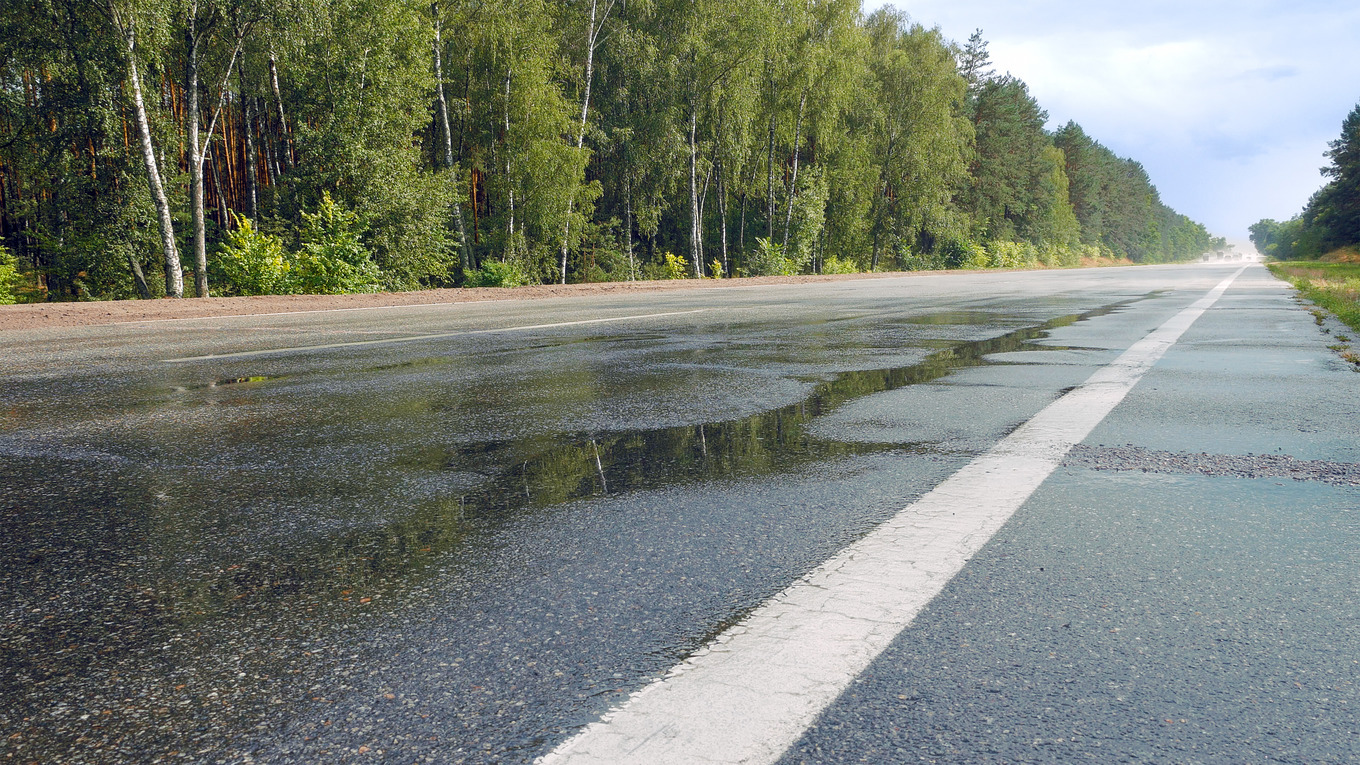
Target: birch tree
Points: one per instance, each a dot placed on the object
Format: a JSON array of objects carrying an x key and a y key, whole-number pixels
[
  {"x": 201, "y": 22},
  {"x": 125, "y": 20},
  {"x": 446, "y": 131},
  {"x": 595, "y": 21},
  {"x": 715, "y": 44},
  {"x": 922, "y": 138}
]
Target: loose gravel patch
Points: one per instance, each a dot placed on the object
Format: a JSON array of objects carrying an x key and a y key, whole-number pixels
[{"x": 1220, "y": 465}]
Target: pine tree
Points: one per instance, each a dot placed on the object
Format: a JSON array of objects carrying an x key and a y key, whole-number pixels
[{"x": 1336, "y": 208}]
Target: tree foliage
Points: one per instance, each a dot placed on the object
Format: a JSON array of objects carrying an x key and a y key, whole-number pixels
[
  {"x": 600, "y": 135},
  {"x": 1331, "y": 219}
]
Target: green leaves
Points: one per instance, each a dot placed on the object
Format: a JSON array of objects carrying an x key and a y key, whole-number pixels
[
  {"x": 331, "y": 259},
  {"x": 496, "y": 273},
  {"x": 853, "y": 142},
  {"x": 251, "y": 262},
  {"x": 769, "y": 260},
  {"x": 9, "y": 277}
]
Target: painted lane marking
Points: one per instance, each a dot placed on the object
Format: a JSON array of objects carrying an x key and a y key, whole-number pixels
[
  {"x": 436, "y": 336},
  {"x": 505, "y": 300},
  {"x": 301, "y": 311},
  {"x": 752, "y": 692}
]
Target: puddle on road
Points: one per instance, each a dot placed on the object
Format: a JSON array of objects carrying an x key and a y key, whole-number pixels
[
  {"x": 501, "y": 479},
  {"x": 539, "y": 473},
  {"x": 975, "y": 318},
  {"x": 147, "y": 601}
]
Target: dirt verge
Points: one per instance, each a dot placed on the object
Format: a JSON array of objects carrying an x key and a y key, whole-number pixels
[{"x": 46, "y": 315}]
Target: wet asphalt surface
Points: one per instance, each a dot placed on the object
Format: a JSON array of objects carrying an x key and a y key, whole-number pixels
[
  {"x": 1183, "y": 590},
  {"x": 464, "y": 548}
]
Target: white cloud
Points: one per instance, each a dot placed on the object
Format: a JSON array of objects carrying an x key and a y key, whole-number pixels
[{"x": 1229, "y": 105}]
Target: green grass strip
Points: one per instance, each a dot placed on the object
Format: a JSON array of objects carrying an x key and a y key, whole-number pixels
[{"x": 1333, "y": 286}]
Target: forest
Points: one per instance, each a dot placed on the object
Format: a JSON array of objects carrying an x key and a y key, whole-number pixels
[
  {"x": 153, "y": 148},
  {"x": 1330, "y": 222}
]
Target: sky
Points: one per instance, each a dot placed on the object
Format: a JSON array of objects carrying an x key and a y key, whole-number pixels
[{"x": 1228, "y": 105}]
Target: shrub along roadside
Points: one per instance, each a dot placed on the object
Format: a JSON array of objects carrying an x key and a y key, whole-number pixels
[
  {"x": 331, "y": 260},
  {"x": 9, "y": 277}
]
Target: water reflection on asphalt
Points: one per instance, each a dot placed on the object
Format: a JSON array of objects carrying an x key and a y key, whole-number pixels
[{"x": 187, "y": 559}]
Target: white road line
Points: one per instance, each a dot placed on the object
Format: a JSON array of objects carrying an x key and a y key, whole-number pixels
[
  {"x": 750, "y": 694},
  {"x": 301, "y": 311},
  {"x": 464, "y": 302},
  {"x": 436, "y": 336}
]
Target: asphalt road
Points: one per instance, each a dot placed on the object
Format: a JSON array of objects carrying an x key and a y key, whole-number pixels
[{"x": 462, "y": 533}]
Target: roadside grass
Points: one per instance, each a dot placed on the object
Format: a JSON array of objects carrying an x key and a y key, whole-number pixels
[{"x": 1332, "y": 284}]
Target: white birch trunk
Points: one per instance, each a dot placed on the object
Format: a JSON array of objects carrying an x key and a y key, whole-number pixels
[
  {"x": 174, "y": 278},
  {"x": 694, "y": 188},
  {"x": 722, "y": 213},
  {"x": 195, "y": 152},
  {"x": 592, "y": 37},
  {"x": 463, "y": 254},
  {"x": 628, "y": 222},
  {"x": 509, "y": 181},
  {"x": 793, "y": 183},
  {"x": 198, "y": 152},
  {"x": 285, "y": 150},
  {"x": 769, "y": 186},
  {"x": 247, "y": 117},
  {"x": 741, "y": 226}
]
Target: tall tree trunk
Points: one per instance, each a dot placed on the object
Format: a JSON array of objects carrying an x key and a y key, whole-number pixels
[
  {"x": 694, "y": 231},
  {"x": 628, "y": 222},
  {"x": 509, "y": 181},
  {"x": 592, "y": 35},
  {"x": 741, "y": 227},
  {"x": 174, "y": 279},
  {"x": 472, "y": 203},
  {"x": 463, "y": 253},
  {"x": 703, "y": 205},
  {"x": 248, "y": 117},
  {"x": 197, "y": 150},
  {"x": 271, "y": 150},
  {"x": 139, "y": 278},
  {"x": 628, "y": 190},
  {"x": 793, "y": 184},
  {"x": 769, "y": 186},
  {"x": 222, "y": 215},
  {"x": 722, "y": 213},
  {"x": 191, "y": 40},
  {"x": 285, "y": 149}
]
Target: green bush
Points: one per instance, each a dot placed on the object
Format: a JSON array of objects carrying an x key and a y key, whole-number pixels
[
  {"x": 953, "y": 250},
  {"x": 922, "y": 261},
  {"x": 333, "y": 259},
  {"x": 672, "y": 266},
  {"x": 251, "y": 262},
  {"x": 977, "y": 257},
  {"x": 835, "y": 265},
  {"x": 496, "y": 273},
  {"x": 1067, "y": 256},
  {"x": 9, "y": 277},
  {"x": 769, "y": 259},
  {"x": 1013, "y": 255},
  {"x": 602, "y": 252}
]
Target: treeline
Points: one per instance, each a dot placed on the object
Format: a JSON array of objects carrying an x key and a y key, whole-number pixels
[
  {"x": 349, "y": 145},
  {"x": 1331, "y": 219}
]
